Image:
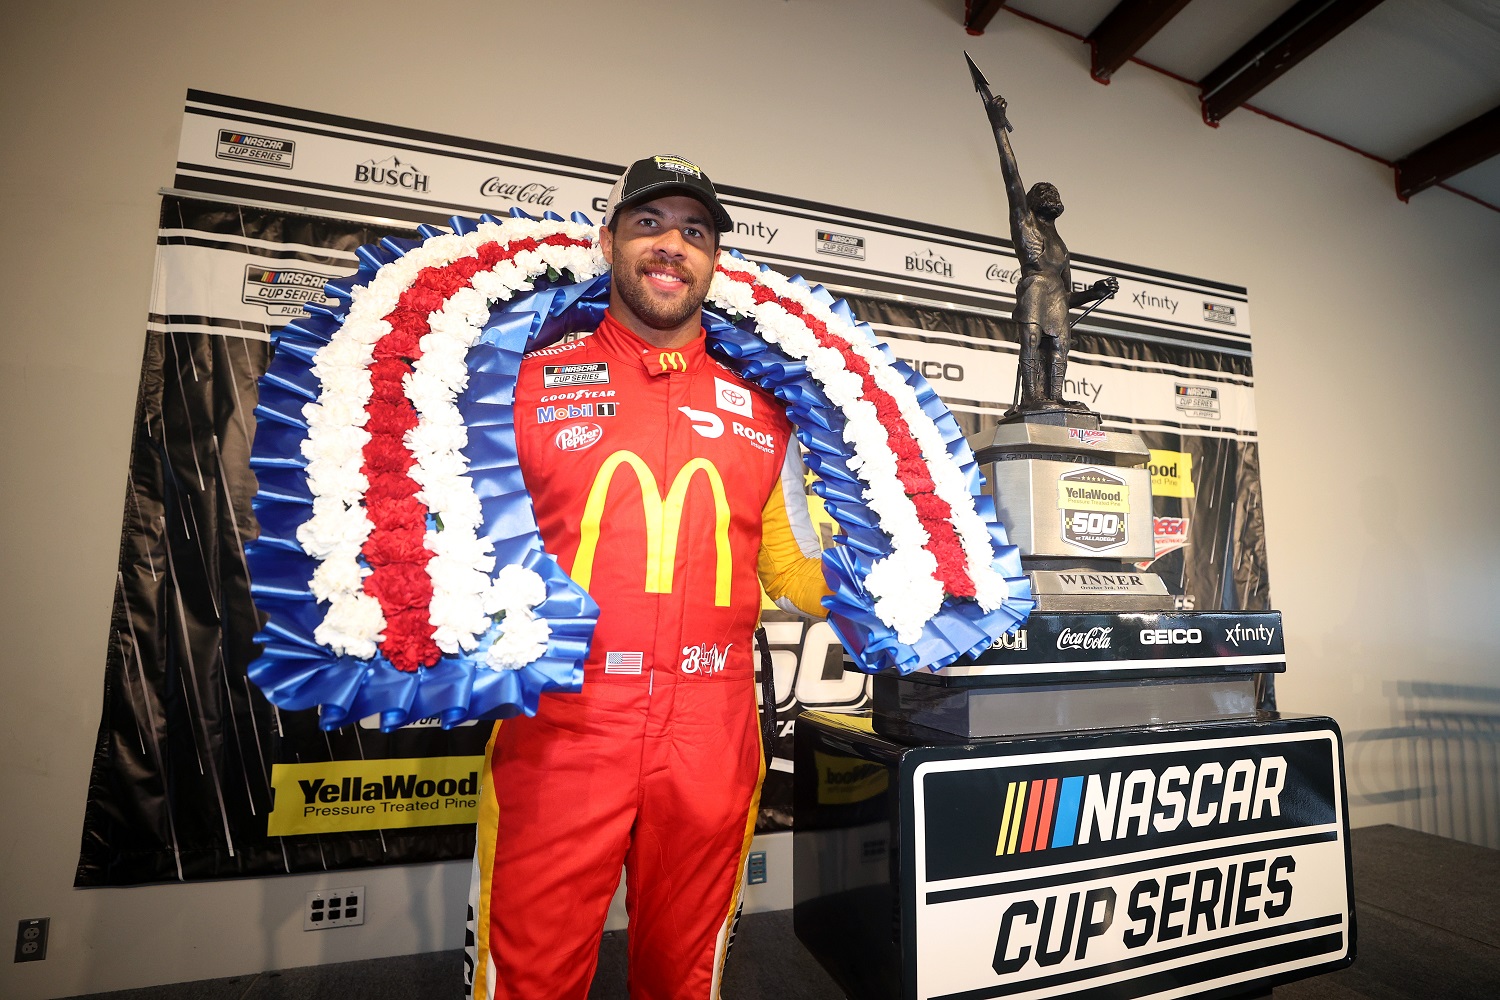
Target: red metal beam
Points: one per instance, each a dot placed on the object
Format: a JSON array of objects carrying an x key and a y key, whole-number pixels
[
  {"x": 1466, "y": 146},
  {"x": 1124, "y": 30},
  {"x": 978, "y": 13},
  {"x": 1291, "y": 38}
]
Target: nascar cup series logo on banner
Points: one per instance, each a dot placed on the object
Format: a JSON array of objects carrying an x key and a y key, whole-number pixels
[{"x": 1048, "y": 874}]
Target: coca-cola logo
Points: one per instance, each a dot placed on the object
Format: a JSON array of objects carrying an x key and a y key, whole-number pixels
[
  {"x": 522, "y": 193},
  {"x": 578, "y": 437},
  {"x": 1095, "y": 638}
]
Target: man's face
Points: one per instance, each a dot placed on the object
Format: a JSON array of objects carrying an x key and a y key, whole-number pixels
[
  {"x": 1044, "y": 200},
  {"x": 662, "y": 254}
]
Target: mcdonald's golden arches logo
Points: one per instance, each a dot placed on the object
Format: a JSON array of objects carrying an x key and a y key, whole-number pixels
[
  {"x": 671, "y": 361},
  {"x": 663, "y": 522}
]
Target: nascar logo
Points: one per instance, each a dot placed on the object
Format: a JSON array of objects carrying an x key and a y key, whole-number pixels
[{"x": 1054, "y": 813}]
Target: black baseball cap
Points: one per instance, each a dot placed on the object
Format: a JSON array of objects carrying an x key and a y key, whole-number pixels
[{"x": 658, "y": 176}]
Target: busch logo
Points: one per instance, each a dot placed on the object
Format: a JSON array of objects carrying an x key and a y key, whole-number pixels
[
  {"x": 705, "y": 661},
  {"x": 391, "y": 172},
  {"x": 1011, "y": 640},
  {"x": 578, "y": 437},
  {"x": 1094, "y": 638},
  {"x": 929, "y": 263}
]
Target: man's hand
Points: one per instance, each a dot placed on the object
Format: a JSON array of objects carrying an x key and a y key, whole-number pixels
[
  {"x": 995, "y": 108},
  {"x": 1106, "y": 287}
]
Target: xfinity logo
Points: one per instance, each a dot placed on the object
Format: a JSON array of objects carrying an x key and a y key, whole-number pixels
[
  {"x": 391, "y": 172},
  {"x": 1259, "y": 633},
  {"x": 520, "y": 192},
  {"x": 1148, "y": 301},
  {"x": 928, "y": 262},
  {"x": 1094, "y": 638},
  {"x": 1171, "y": 636}
]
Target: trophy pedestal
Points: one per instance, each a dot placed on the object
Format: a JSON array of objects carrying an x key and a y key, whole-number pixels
[
  {"x": 1045, "y": 821},
  {"x": 1076, "y": 500}
]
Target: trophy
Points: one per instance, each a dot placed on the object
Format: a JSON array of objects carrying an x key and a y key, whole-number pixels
[
  {"x": 1035, "y": 822},
  {"x": 1075, "y": 498}
]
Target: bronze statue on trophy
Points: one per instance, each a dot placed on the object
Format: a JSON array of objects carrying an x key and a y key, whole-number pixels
[{"x": 1044, "y": 293}]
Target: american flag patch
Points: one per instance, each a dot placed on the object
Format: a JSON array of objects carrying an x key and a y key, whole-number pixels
[{"x": 622, "y": 663}]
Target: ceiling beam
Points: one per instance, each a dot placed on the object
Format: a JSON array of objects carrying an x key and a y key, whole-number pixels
[
  {"x": 1124, "y": 30},
  {"x": 1466, "y": 146},
  {"x": 978, "y": 13},
  {"x": 1292, "y": 37}
]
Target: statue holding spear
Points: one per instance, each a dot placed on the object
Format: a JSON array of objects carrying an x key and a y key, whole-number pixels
[{"x": 1044, "y": 293}]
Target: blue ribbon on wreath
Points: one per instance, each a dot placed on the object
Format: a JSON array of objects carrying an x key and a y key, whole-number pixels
[{"x": 296, "y": 672}]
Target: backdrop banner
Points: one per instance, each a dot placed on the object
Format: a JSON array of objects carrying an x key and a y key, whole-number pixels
[{"x": 197, "y": 776}]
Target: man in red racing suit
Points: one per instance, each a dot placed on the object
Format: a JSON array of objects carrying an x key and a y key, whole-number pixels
[{"x": 667, "y": 487}]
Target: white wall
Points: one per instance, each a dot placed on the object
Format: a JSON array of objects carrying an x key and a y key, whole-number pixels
[{"x": 1381, "y": 484}]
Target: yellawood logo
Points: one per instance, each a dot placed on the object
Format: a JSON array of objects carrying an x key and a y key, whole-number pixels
[{"x": 373, "y": 794}]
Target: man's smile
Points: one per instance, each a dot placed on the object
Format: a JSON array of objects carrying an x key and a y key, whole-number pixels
[{"x": 664, "y": 278}]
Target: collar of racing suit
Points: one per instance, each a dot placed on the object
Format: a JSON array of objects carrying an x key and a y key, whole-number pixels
[{"x": 620, "y": 342}]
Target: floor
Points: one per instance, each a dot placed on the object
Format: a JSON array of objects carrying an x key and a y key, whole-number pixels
[{"x": 1428, "y": 912}]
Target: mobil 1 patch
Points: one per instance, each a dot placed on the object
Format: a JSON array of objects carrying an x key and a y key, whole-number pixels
[{"x": 554, "y": 376}]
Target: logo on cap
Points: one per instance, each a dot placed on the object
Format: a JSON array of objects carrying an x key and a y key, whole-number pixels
[{"x": 678, "y": 164}]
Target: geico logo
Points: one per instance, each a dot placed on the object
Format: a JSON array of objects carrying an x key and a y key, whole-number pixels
[
  {"x": 663, "y": 522},
  {"x": 390, "y": 786},
  {"x": 760, "y": 438},
  {"x": 936, "y": 370},
  {"x": 1098, "y": 807},
  {"x": 1192, "y": 903},
  {"x": 1170, "y": 636}
]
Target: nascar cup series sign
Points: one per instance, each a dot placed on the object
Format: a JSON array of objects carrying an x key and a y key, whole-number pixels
[{"x": 1131, "y": 870}]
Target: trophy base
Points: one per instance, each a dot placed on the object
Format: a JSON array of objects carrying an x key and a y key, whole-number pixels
[
  {"x": 1067, "y": 413},
  {"x": 910, "y": 709},
  {"x": 1099, "y": 588}
]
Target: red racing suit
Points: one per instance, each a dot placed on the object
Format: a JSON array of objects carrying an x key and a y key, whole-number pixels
[{"x": 661, "y": 481}]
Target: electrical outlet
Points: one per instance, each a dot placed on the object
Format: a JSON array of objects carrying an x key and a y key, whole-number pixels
[
  {"x": 31, "y": 939},
  {"x": 334, "y": 908},
  {"x": 756, "y": 868}
]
